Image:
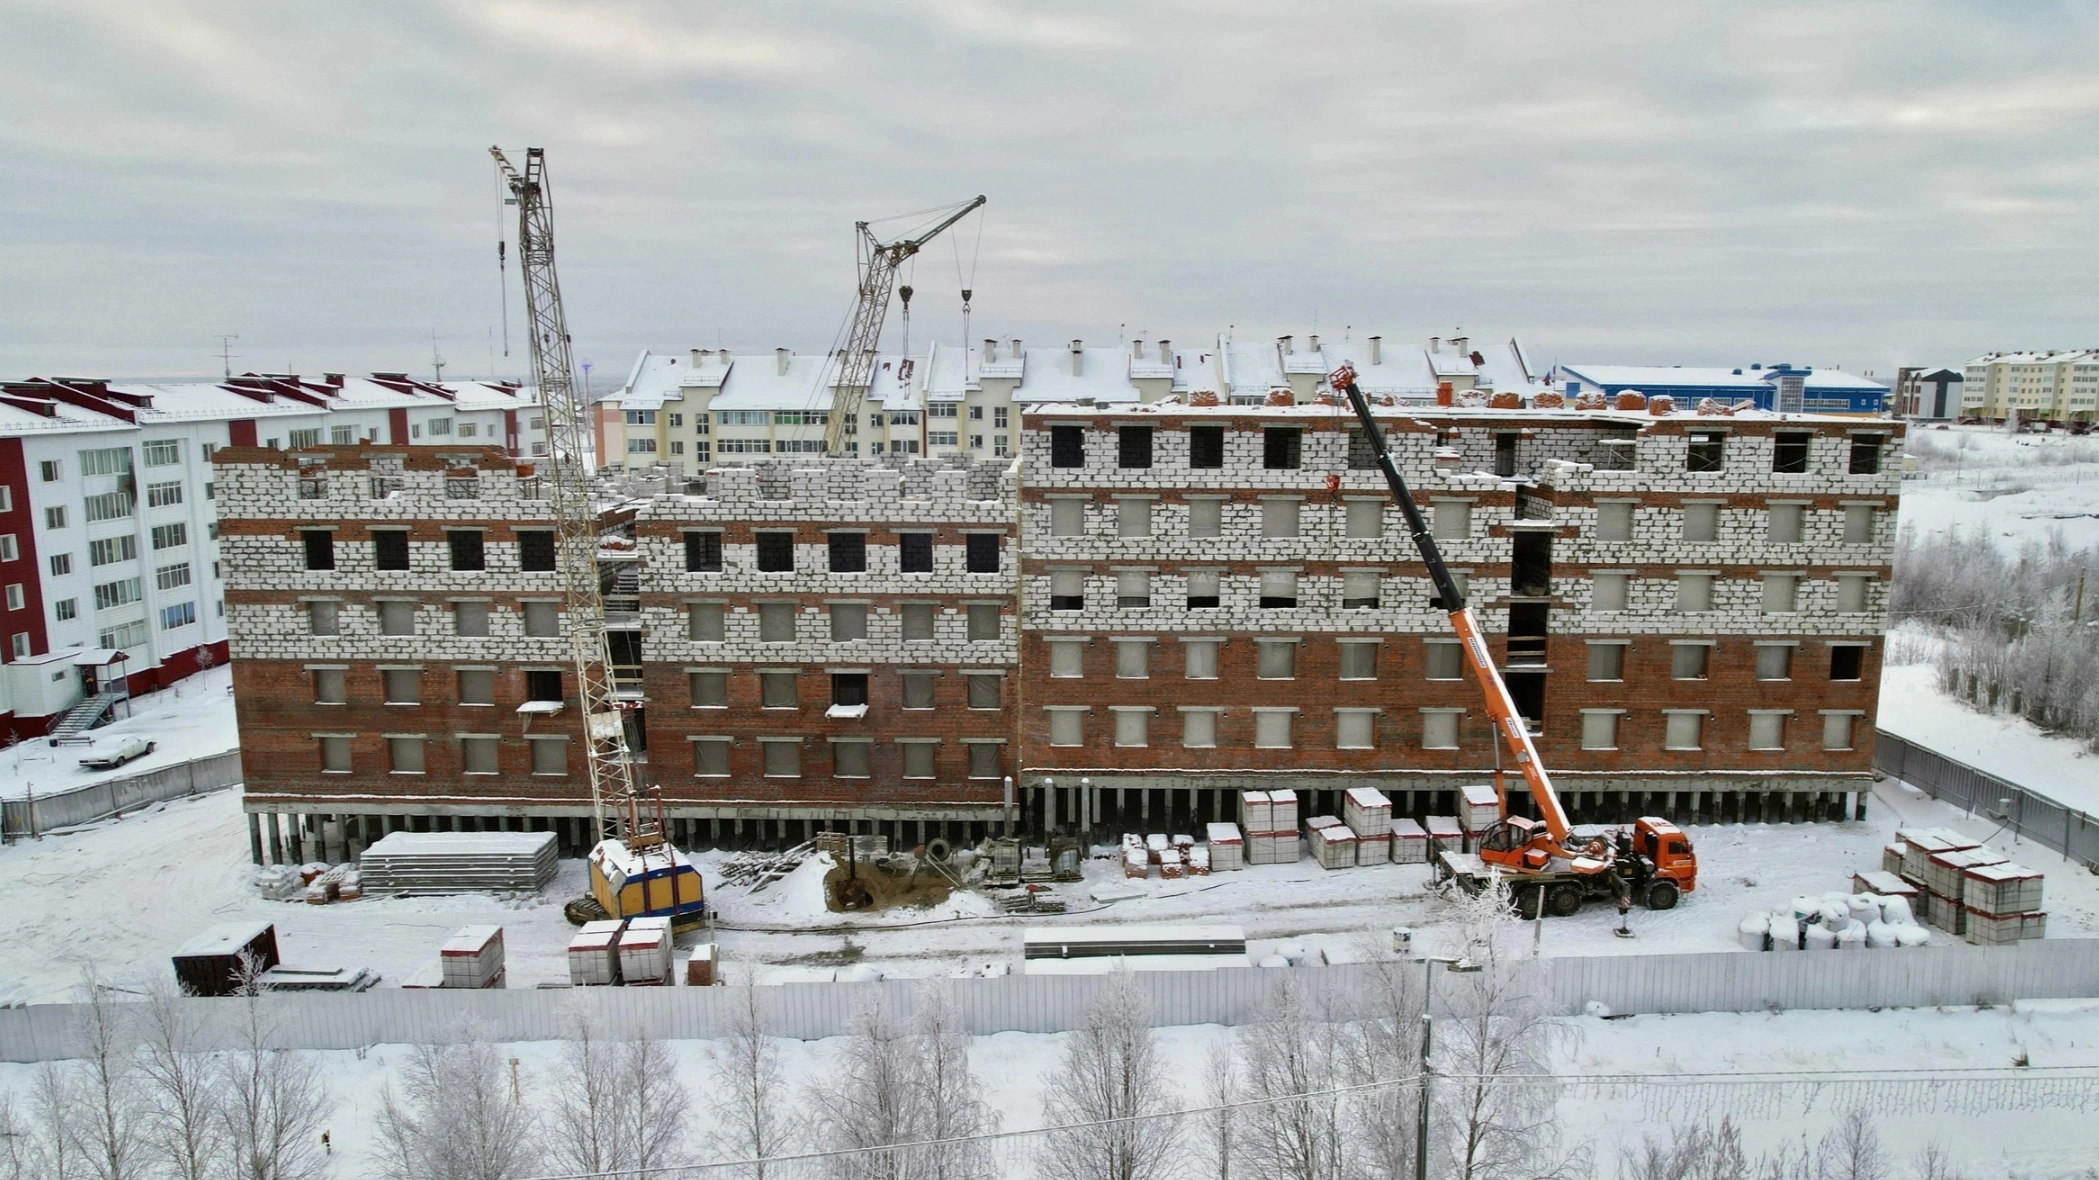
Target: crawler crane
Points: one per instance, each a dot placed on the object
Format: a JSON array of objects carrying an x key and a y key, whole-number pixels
[
  {"x": 1545, "y": 865},
  {"x": 635, "y": 871}
]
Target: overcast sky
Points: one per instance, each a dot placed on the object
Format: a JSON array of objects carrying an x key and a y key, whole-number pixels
[{"x": 1834, "y": 184}]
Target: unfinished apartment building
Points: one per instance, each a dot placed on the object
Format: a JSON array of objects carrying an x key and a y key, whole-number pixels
[
  {"x": 802, "y": 647},
  {"x": 1688, "y": 609}
]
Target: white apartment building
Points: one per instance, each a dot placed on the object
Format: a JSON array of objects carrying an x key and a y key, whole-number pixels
[
  {"x": 108, "y": 529},
  {"x": 2052, "y": 386},
  {"x": 715, "y": 407}
]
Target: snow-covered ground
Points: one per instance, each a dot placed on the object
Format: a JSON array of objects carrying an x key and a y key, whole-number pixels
[
  {"x": 125, "y": 894},
  {"x": 1913, "y": 708},
  {"x": 2010, "y": 487},
  {"x": 1988, "y": 1128},
  {"x": 192, "y": 718}
]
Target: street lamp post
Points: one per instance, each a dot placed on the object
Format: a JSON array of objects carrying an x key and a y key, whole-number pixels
[{"x": 1428, "y": 982}]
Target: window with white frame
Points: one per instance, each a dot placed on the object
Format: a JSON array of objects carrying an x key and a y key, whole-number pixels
[
  {"x": 1439, "y": 728},
  {"x": 1067, "y": 658},
  {"x": 1272, "y": 728},
  {"x": 1683, "y": 729},
  {"x": 1199, "y": 728},
  {"x": 1133, "y": 659},
  {"x": 1609, "y": 590},
  {"x": 1767, "y": 729},
  {"x": 1355, "y": 729},
  {"x": 1599, "y": 729},
  {"x": 1132, "y": 724},
  {"x": 1199, "y": 658},
  {"x": 1067, "y": 726}
]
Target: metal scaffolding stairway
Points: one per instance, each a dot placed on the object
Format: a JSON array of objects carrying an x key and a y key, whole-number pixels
[{"x": 72, "y": 728}]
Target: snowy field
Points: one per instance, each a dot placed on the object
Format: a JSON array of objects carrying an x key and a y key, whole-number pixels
[
  {"x": 193, "y": 718},
  {"x": 1985, "y": 1126},
  {"x": 125, "y": 894},
  {"x": 2018, "y": 488}
]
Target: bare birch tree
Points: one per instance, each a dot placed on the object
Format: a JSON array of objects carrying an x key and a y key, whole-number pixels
[
  {"x": 1694, "y": 1152},
  {"x": 1111, "y": 1094},
  {"x": 183, "y": 1130},
  {"x": 654, "y": 1108},
  {"x": 1383, "y": 1118},
  {"x": 14, "y": 1141},
  {"x": 109, "y": 1134},
  {"x": 581, "y": 1133},
  {"x": 1221, "y": 1088},
  {"x": 271, "y": 1103},
  {"x": 54, "y": 1109},
  {"x": 951, "y": 1098},
  {"x": 454, "y": 1116},
  {"x": 1295, "y": 1059},
  {"x": 747, "y": 1068},
  {"x": 866, "y": 1105}
]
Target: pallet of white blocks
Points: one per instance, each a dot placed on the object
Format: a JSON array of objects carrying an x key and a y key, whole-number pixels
[
  {"x": 1227, "y": 848},
  {"x": 1256, "y": 811},
  {"x": 458, "y": 862},
  {"x": 1282, "y": 811},
  {"x": 1332, "y": 844},
  {"x": 1271, "y": 848},
  {"x": 1367, "y": 812},
  {"x": 1998, "y": 929},
  {"x": 2003, "y": 888},
  {"x": 473, "y": 958},
  {"x": 645, "y": 952},
  {"x": 1444, "y": 834},
  {"x": 1479, "y": 807},
  {"x": 1919, "y": 844},
  {"x": 1946, "y": 873},
  {"x": 1409, "y": 842},
  {"x": 593, "y": 954}
]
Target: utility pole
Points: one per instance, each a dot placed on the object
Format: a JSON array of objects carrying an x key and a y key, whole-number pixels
[
  {"x": 226, "y": 352},
  {"x": 437, "y": 363}
]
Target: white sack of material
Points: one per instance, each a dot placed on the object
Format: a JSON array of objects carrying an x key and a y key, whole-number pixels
[
  {"x": 1895, "y": 911},
  {"x": 1753, "y": 931},
  {"x": 1865, "y": 907},
  {"x": 1836, "y": 914},
  {"x": 1912, "y": 935},
  {"x": 1879, "y": 935},
  {"x": 1785, "y": 932},
  {"x": 1820, "y": 938},
  {"x": 1805, "y": 908},
  {"x": 1852, "y": 937}
]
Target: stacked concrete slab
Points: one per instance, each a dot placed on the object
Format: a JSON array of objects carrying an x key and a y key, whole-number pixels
[{"x": 458, "y": 862}]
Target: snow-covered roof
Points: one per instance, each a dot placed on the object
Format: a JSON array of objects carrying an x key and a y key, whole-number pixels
[
  {"x": 1104, "y": 376},
  {"x": 1748, "y": 378},
  {"x": 2050, "y": 357}
]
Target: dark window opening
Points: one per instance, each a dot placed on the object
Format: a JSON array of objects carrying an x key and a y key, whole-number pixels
[
  {"x": 1278, "y": 601},
  {"x": 1527, "y": 691},
  {"x": 320, "y": 549},
  {"x": 848, "y": 553},
  {"x": 1789, "y": 453},
  {"x": 1708, "y": 452},
  {"x": 467, "y": 551},
  {"x": 703, "y": 553},
  {"x": 624, "y": 649},
  {"x": 1134, "y": 446},
  {"x": 1529, "y": 624},
  {"x": 1203, "y": 601},
  {"x": 1530, "y": 565},
  {"x": 1865, "y": 453},
  {"x": 1361, "y": 455},
  {"x": 535, "y": 551},
  {"x": 848, "y": 688},
  {"x": 543, "y": 685},
  {"x": 1847, "y": 662},
  {"x": 390, "y": 549},
  {"x": 982, "y": 554},
  {"x": 1504, "y": 454},
  {"x": 1206, "y": 446},
  {"x": 1067, "y": 446},
  {"x": 1282, "y": 448},
  {"x": 1067, "y": 602},
  {"x": 915, "y": 553},
  {"x": 775, "y": 553}
]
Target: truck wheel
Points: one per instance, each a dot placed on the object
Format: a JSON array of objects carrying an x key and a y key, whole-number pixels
[
  {"x": 1662, "y": 895},
  {"x": 1565, "y": 901},
  {"x": 1527, "y": 902}
]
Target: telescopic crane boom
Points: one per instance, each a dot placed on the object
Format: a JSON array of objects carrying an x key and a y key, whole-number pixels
[
  {"x": 856, "y": 364},
  {"x": 636, "y": 847}
]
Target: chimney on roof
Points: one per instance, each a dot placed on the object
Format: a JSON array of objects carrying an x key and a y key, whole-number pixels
[
  {"x": 1165, "y": 352},
  {"x": 780, "y": 358},
  {"x": 1435, "y": 344},
  {"x": 696, "y": 355},
  {"x": 1314, "y": 338},
  {"x": 1377, "y": 350},
  {"x": 1460, "y": 343},
  {"x": 1137, "y": 349},
  {"x": 1078, "y": 358},
  {"x": 335, "y": 379},
  {"x": 1282, "y": 345},
  {"x": 990, "y": 350},
  {"x": 1017, "y": 353}
]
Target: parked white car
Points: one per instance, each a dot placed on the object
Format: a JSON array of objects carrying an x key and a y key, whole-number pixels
[{"x": 124, "y": 751}]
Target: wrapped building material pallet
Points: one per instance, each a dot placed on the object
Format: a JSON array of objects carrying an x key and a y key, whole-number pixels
[
  {"x": 1409, "y": 843},
  {"x": 1918, "y": 845},
  {"x": 1283, "y": 811},
  {"x": 1884, "y": 883},
  {"x": 473, "y": 957},
  {"x": 1948, "y": 874},
  {"x": 645, "y": 952},
  {"x": 1999, "y": 929},
  {"x": 1256, "y": 812},
  {"x": 1367, "y": 812},
  {"x": 458, "y": 862},
  {"x": 1227, "y": 849},
  {"x": 593, "y": 954},
  {"x": 1136, "y": 866},
  {"x": 1479, "y": 807},
  {"x": 1946, "y": 913},
  {"x": 699, "y": 968},
  {"x": 1373, "y": 850},
  {"x": 1155, "y": 844},
  {"x": 1444, "y": 835},
  {"x": 1171, "y": 867},
  {"x": 2003, "y": 888},
  {"x": 1198, "y": 858},
  {"x": 1332, "y": 844},
  {"x": 1891, "y": 857},
  {"x": 1272, "y": 848}
]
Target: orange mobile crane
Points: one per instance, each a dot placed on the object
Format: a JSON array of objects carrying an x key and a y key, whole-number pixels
[{"x": 1545, "y": 865}]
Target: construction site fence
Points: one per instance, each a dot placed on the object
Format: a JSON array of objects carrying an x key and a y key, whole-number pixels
[
  {"x": 2026, "y": 813},
  {"x": 38, "y": 813},
  {"x": 1625, "y": 984}
]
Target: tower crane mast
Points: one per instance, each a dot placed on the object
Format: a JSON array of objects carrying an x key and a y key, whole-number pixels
[
  {"x": 636, "y": 843},
  {"x": 878, "y": 263}
]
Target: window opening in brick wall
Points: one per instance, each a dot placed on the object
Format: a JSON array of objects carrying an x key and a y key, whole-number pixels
[
  {"x": 1358, "y": 660},
  {"x": 983, "y": 621},
  {"x": 1278, "y": 659},
  {"x": 1134, "y": 446},
  {"x": 1067, "y": 590},
  {"x": 1133, "y": 517},
  {"x": 705, "y": 622},
  {"x": 406, "y": 754},
  {"x": 1852, "y": 593},
  {"x": 984, "y": 760},
  {"x": 1614, "y": 521},
  {"x": 478, "y": 755},
  {"x": 918, "y": 620},
  {"x": 1858, "y": 524},
  {"x": 710, "y": 690},
  {"x": 1366, "y": 519},
  {"x": 1707, "y": 452},
  {"x": 1701, "y": 523},
  {"x": 1694, "y": 593},
  {"x": 1505, "y": 454},
  {"x": 1784, "y": 523},
  {"x": 1443, "y": 659},
  {"x": 981, "y": 552},
  {"x": 851, "y": 759},
  {"x": 1278, "y": 588},
  {"x": 1529, "y": 623},
  {"x": 1067, "y": 446},
  {"x": 1682, "y": 730},
  {"x": 335, "y": 755},
  {"x": 710, "y": 757},
  {"x": 1279, "y": 518},
  {"x": 477, "y": 686},
  {"x": 1865, "y": 456},
  {"x": 1199, "y": 729},
  {"x": 1608, "y": 591},
  {"x": 543, "y": 684},
  {"x": 782, "y": 757},
  {"x": 1067, "y": 517},
  {"x": 1067, "y": 658},
  {"x": 1688, "y": 661},
  {"x": 1132, "y": 726},
  {"x": 320, "y": 548},
  {"x": 1453, "y": 519},
  {"x": 849, "y": 688},
  {"x": 1272, "y": 728},
  {"x": 918, "y": 689},
  {"x": 396, "y": 618},
  {"x": 1607, "y": 661},
  {"x": 1781, "y": 593},
  {"x": 1204, "y": 588},
  {"x": 848, "y": 553},
  {"x": 1527, "y": 690},
  {"x": 1774, "y": 661},
  {"x": 1837, "y": 730},
  {"x": 324, "y": 618},
  {"x": 915, "y": 553},
  {"x": 1464, "y": 580},
  {"x": 1847, "y": 661},
  {"x": 1530, "y": 565},
  {"x": 467, "y": 552},
  {"x": 1205, "y": 518},
  {"x": 535, "y": 550},
  {"x": 1206, "y": 447},
  {"x": 1355, "y": 729},
  {"x": 1767, "y": 730},
  {"x": 1067, "y": 727},
  {"x": 776, "y": 622},
  {"x": 775, "y": 553},
  {"x": 1133, "y": 589},
  {"x": 1599, "y": 730},
  {"x": 1282, "y": 448},
  {"x": 1133, "y": 659},
  {"x": 1789, "y": 452},
  {"x": 918, "y": 758},
  {"x": 848, "y": 622},
  {"x": 1359, "y": 589},
  {"x": 983, "y": 690},
  {"x": 328, "y": 687},
  {"x": 778, "y": 690}
]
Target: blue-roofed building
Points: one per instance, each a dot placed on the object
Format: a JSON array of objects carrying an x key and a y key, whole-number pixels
[{"x": 1820, "y": 391}]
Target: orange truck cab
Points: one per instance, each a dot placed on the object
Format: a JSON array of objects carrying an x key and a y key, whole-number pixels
[{"x": 1665, "y": 845}]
